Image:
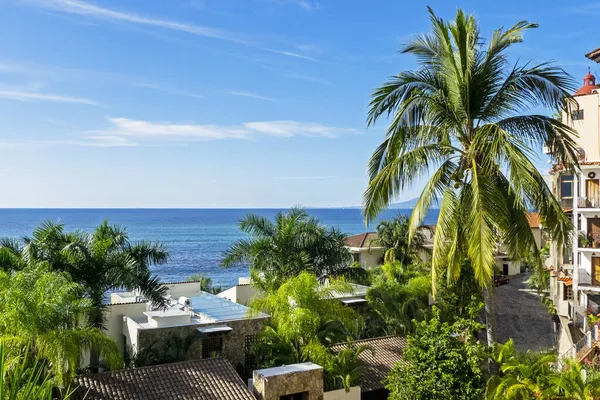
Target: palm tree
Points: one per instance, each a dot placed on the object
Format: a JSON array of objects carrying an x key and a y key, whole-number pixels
[
  {"x": 574, "y": 382},
  {"x": 394, "y": 236},
  {"x": 293, "y": 242},
  {"x": 460, "y": 116},
  {"x": 523, "y": 376},
  {"x": 44, "y": 311},
  {"x": 100, "y": 261}
]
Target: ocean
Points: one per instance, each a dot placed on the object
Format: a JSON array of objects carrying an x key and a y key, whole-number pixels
[{"x": 195, "y": 238}]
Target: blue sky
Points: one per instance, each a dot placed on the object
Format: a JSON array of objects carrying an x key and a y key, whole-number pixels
[{"x": 219, "y": 103}]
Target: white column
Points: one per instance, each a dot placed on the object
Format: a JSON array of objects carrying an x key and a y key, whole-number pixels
[{"x": 596, "y": 332}]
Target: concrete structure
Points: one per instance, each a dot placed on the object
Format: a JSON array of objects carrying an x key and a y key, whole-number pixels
[
  {"x": 242, "y": 293},
  {"x": 209, "y": 325},
  {"x": 365, "y": 249},
  {"x": 295, "y": 382}
]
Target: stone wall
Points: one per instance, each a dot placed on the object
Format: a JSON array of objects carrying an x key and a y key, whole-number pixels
[
  {"x": 272, "y": 383},
  {"x": 234, "y": 342}
]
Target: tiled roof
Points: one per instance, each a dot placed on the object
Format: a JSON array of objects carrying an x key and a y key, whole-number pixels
[
  {"x": 567, "y": 280},
  {"x": 208, "y": 379},
  {"x": 361, "y": 240},
  {"x": 594, "y": 55},
  {"x": 387, "y": 352}
]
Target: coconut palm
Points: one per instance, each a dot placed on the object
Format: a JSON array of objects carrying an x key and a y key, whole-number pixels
[
  {"x": 461, "y": 118},
  {"x": 394, "y": 236},
  {"x": 280, "y": 249}
]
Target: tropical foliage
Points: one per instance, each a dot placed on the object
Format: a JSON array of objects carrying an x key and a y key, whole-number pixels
[
  {"x": 462, "y": 116},
  {"x": 393, "y": 235},
  {"x": 22, "y": 378},
  {"x": 206, "y": 284},
  {"x": 305, "y": 321},
  {"x": 441, "y": 361},
  {"x": 45, "y": 311},
  {"x": 294, "y": 242},
  {"x": 102, "y": 260}
]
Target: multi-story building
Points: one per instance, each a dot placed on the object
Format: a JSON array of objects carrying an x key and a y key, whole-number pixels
[{"x": 575, "y": 283}]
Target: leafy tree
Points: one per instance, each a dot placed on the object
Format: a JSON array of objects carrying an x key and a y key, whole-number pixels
[
  {"x": 394, "y": 236},
  {"x": 205, "y": 283},
  {"x": 45, "y": 311},
  {"x": 441, "y": 361},
  {"x": 462, "y": 116},
  {"x": 293, "y": 242}
]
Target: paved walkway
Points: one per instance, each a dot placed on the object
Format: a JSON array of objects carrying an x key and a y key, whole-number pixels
[{"x": 522, "y": 316}]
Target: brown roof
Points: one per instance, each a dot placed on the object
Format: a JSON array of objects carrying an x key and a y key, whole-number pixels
[
  {"x": 208, "y": 379},
  {"x": 594, "y": 55},
  {"x": 387, "y": 352},
  {"x": 534, "y": 219},
  {"x": 361, "y": 240}
]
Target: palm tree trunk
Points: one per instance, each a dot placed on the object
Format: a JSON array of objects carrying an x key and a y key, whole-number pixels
[{"x": 489, "y": 297}]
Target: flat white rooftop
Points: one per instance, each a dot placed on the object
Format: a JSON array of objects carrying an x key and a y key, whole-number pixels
[
  {"x": 169, "y": 312},
  {"x": 288, "y": 369}
]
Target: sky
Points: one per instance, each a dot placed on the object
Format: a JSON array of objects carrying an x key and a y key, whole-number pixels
[{"x": 221, "y": 103}]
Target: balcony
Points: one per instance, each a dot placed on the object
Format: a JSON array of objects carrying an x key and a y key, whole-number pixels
[
  {"x": 583, "y": 277},
  {"x": 589, "y": 240},
  {"x": 588, "y": 202}
]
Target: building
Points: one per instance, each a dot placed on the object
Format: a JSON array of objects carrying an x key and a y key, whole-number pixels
[
  {"x": 208, "y": 325},
  {"x": 575, "y": 274}
]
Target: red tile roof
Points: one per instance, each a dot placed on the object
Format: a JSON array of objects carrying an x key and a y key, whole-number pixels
[
  {"x": 534, "y": 219},
  {"x": 208, "y": 379},
  {"x": 361, "y": 240},
  {"x": 567, "y": 280},
  {"x": 387, "y": 352}
]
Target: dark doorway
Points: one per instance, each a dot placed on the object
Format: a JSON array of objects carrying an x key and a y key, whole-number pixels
[
  {"x": 505, "y": 269},
  {"x": 296, "y": 396}
]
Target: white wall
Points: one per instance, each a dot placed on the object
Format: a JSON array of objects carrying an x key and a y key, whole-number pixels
[
  {"x": 371, "y": 258},
  {"x": 113, "y": 316},
  {"x": 587, "y": 128},
  {"x": 130, "y": 330},
  {"x": 181, "y": 289},
  {"x": 241, "y": 294},
  {"x": 341, "y": 394}
]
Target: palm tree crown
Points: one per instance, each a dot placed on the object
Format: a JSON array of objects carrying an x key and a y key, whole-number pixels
[{"x": 460, "y": 116}]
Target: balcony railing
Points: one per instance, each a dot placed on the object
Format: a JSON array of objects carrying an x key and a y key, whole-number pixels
[
  {"x": 588, "y": 202},
  {"x": 583, "y": 277},
  {"x": 566, "y": 202},
  {"x": 589, "y": 240}
]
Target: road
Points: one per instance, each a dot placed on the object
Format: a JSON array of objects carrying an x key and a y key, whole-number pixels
[{"x": 522, "y": 316}]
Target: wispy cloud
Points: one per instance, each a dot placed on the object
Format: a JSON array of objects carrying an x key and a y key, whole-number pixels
[
  {"x": 308, "y": 78},
  {"x": 304, "y": 178},
  {"x": 148, "y": 130},
  {"x": 37, "y": 96},
  {"x": 78, "y": 7},
  {"x": 167, "y": 90},
  {"x": 307, "y": 5},
  {"x": 89, "y": 141},
  {"x": 242, "y": 93}
]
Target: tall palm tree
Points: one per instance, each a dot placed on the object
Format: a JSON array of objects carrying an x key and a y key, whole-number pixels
[
  {"x": 280, "y": 249},
  {"x": 461, "y": 117}
]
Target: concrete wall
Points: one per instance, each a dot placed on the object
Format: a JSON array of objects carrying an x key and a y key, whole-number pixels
[
  {"x": 241, "y": 294},
  {"x": 234, "y": 343},
  {"x": 113, "y": 316},
  {"x": 514, "y": 268},
  {"x": 272, "y": 383},
  {"x": 181, "y": 289},
  {"x": 341, "y": 394}
]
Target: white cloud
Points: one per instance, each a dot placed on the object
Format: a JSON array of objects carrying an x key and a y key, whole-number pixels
[
  {"x": 37, "y": 96},
  {"x": 242, "y": 93},
  {"x": 146, "y": 130},
  {"x": 295, "y": 128},
  {"x": 91, "y": 10}
]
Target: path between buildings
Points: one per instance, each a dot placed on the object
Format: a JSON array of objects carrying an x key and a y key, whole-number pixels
[{"x": 522, "y": 316}]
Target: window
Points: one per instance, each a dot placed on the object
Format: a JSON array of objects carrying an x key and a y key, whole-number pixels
[
  {"x": 577, "y": 115},
  {"x": 566, "y": 186},
  {"x": 568, "y": 293},
  {"x": 212, "y": 347},
  {"x": 250, "y": 362}
]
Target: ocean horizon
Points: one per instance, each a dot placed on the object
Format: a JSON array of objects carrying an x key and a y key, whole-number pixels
[{"x": 195, "y": 237}]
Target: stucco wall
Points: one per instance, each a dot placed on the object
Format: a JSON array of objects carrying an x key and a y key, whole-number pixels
[
  {"x": 241, "y": 294},
  {"x": 341, "y": 394},
  {"x": 371, "y": 258},
  {"x": 587, "y": 128},
  {"x": 113, "y": 315}
]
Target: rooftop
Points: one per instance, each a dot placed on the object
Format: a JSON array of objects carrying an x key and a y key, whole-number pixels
[
  {"x": 594, "y": 55},
  {"x": 219, "y": 309},
  {"x": 387, "y": 352},
  {"x": 208, "y": 379},
  {"x": 361, "y": 240},
  {"x": 287, "y": 369}
]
